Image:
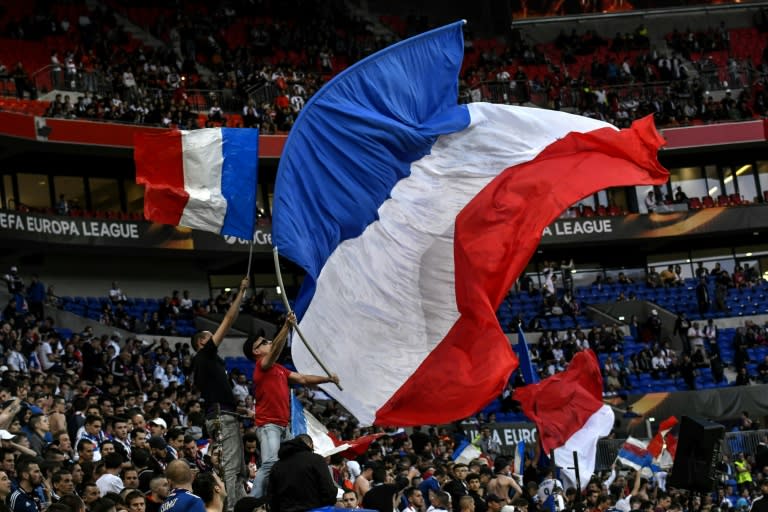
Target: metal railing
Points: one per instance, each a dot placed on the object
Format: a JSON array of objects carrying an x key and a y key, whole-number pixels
[
  {"x": 735, "y": 442},
  {"x": 533, "y": 90}
]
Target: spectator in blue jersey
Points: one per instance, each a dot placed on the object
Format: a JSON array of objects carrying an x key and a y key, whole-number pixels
[
  {"x": 181, "y": 498},
  {"x": 24, "y": 498}
]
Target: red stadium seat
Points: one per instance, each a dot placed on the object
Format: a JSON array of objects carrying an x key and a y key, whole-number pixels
[
  {"x": 708, "y": 202},
  {"x": 735, "y": 199},
  {"x": 722, "y": 200},
  {"x": 695, "y": 204}
]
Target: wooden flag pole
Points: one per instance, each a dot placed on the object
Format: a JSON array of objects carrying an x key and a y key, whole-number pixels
[{"x": 288, "y": 309}]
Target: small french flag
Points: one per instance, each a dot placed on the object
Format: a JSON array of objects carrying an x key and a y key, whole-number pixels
[{"x": 201, "y": 179}]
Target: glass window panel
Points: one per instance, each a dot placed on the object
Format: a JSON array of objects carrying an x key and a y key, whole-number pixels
[
  {"x": 9, "y": 201},
  {"x": 34, "y": 191},
  {"x": 762, "y": 175},
  {"x": 642, "y": 193},
  {"x": 728, "y": 180},
  {"x": 134, "y": 196},
  {"x": 713, "y": 180},
  {"x": 104, "y": 194},
  {"x": 617, "y": 197},
  {"x": 602, "y": 198},
  {"x": 72, "y": 188},
  {"x": 745, "y": 181},
  {"x": 690, "y": 180}
]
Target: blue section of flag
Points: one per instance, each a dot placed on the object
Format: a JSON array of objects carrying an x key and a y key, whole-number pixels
[
  {"x": 530, "y": 376},
  {"x": 356, "y": 138},
  {"x": 462, "y": 446},
  {"x": 520, "y": 458},
  {"x": 298, "y": 420},
  {"x": 630, "y": 458},
  {"x": 240, "y": 149},
  {"x": 549, "y": 504}
]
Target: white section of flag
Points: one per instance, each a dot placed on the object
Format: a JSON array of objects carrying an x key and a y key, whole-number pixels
[
  {"x": 202, "y": 160},
  {"x": 385, "y": 299}
]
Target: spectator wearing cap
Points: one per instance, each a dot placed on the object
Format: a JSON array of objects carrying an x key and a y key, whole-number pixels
[
  {"x": 209, "y": 374},
  {"x": 160, "y": 456},
  {"x": 271, "y": 381},
  {"x": 211, "y": 490},
  {"x": 158, "y": 427}
]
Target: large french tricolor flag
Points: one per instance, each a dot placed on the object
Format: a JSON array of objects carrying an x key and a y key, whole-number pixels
[
  {"x": 570, "y": 415},
  {"x": 202, "y": 179},
  {"x": 413, "y": 216}
]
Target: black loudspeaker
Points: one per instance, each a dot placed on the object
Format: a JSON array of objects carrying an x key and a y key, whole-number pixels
[{"x": 698, "y": 452}]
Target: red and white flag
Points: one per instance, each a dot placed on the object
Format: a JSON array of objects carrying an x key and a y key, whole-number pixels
[{"x": 570, "y": 415}]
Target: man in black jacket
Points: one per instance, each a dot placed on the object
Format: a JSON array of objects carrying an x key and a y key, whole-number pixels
[
  {"x": 300, "y": 479},
  {"x": 761, "y": 503}
]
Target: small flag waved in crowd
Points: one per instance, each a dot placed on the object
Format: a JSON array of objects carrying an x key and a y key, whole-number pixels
[
  {"x": 634, "y": 454},
  {"x": 569, "y": 412},
  {"x": 201, "y": 179}
]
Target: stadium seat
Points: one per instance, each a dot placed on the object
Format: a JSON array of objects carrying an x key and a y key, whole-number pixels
[{"x": 708, "y": 202}]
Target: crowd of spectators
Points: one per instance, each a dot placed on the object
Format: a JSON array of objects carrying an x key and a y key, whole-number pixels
[
  {"x": 100, "y": 418},
  {"x": 680, "y": 352},
  {"x": 242, "y": 48}
]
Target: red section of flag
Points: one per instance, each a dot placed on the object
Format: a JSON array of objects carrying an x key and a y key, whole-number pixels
[
  {"x": 160, "y": 169},
  {"x": 657, "y": 443},
  {"x": 639, "y": 451},
  {"x": 560, "y": 405},
  {"x": 357, "y": 446},
  {"x": 495, "y": 236}
]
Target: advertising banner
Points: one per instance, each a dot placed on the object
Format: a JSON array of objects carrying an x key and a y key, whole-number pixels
[{"x": 54, "y": 229}]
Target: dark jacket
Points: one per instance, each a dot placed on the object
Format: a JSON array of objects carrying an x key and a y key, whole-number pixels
[{"x": 300, "y": 480}]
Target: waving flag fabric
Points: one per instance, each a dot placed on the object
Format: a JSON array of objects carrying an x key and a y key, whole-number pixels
[
  {"x": 663, "y": 446},
  {"x": 303, "y": 422},
  {"x": 201, "y": 179},
  {"x": 634, "y": 454},
  {"x": 569, "y": 414},
  {"x": 530, "y": 375},
  {"x": 413, "y": 216}
]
